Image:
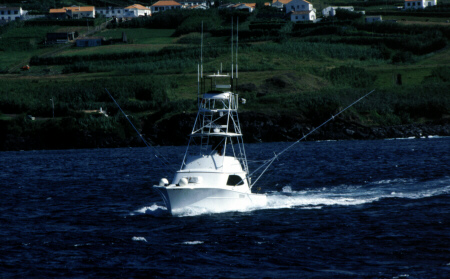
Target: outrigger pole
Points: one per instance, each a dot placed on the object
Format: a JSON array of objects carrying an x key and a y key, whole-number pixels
[
  {"x": 163, "y": 160},
  {"x": 270, "y": 161}
]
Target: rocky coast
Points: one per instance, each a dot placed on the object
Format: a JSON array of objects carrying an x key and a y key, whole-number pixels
[{"x": 257, "y": 127}]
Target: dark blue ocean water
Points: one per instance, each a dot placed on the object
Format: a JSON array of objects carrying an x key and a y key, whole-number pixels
[{"x": 346, "y": 209}]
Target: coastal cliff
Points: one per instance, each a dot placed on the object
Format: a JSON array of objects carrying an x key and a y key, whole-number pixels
[{"x": 257, "y": 127}]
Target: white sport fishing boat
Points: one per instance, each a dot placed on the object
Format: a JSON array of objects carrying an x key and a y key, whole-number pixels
[{"x": 214, "y": 175}]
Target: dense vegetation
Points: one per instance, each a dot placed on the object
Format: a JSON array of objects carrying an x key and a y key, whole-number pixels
[{"x": 305, "y": 70}]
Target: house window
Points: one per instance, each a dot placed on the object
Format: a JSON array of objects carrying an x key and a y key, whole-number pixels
[
  {"x": 9, "y": 12},
  {"x": 414, "y": 3},
  {"x": 118, "y": 11},
  {"x": 303, "y": 6},
  {"x": 3, "y": 12},
  {"x": 408, "y": 4},
  {"x": 16, "y": 12},
  {"x": 303, "y": 17}
]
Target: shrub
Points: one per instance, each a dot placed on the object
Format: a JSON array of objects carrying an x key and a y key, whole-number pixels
[
  {"x": 350, "y": 76},
  {"x": 343, "y": 14},
  {"x": 402, "y": 57}
]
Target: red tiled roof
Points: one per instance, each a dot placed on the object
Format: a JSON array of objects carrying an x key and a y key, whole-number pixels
[
  {"x": 166, "y": 3},
  {"x": 281, "y": 1},
  {"x": 80, "y": 9},
  {"x": 57, "y": 11},
  {"x": 137, "y": 6}
]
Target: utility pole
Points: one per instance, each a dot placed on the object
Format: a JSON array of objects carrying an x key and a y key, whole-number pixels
[{"x": 53, "y": 107}]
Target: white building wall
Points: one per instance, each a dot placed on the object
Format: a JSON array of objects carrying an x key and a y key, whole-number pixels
[
  {"x": 331, "y": 11},
  {"x": 303, "y": 17},
  {"x": 370, "y": 19},
  {"x": 156, "y": 9},
  {"x": 10, "y": 14},
  {"x": 419, "y": 4},
  {"x": 298, "y": 5},
  {"x": 111, "y": 12}
]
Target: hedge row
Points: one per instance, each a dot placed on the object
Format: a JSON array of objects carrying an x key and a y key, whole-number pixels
[
  {"x": 65, "y": 22},
  {"x": 418, "y": 13}
]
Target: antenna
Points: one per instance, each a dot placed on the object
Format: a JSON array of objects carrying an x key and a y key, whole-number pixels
[
  {"x": 198, "y": 85},
  {"x": 231, "y": 47},
  {"x": 237, "y": 44},
  {"x": 201, "y": 51}
]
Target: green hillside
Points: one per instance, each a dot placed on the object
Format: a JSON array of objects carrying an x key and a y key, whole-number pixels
[{"x": 305, "y": 70}]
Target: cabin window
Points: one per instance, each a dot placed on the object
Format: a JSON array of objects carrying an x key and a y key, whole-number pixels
[{"x": 234, "y": 180}]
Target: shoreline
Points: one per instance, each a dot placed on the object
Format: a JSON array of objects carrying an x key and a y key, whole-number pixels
[{"x": 256, "y": 127}]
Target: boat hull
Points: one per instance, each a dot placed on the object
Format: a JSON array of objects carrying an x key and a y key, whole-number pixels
[{"x": 210, "y": 199}]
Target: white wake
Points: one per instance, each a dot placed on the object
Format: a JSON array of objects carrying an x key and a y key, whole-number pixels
[{"x": 341, "y": 195}]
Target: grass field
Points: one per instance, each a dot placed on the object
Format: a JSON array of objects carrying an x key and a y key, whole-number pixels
[
  {"x": 141, "y": 35},
  {"x": 282, "y": 75}
]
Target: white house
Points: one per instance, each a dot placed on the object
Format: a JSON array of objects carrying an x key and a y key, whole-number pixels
[
  {"x": 298, "y": 5},
  {"x": 419, "y": 4},
  {"x": 303, "y": 16},
  {"x": 377, "y": 18},
  {"x": 161, "y": 6},
  {"x": 80, "y": 12},
  {"x": 279, "y": 4},
  {"x": 197, "y": 7},
  {"x": 74, "y": 12},
  {"x": 136, "y": 10},
  {"x": 11, "y": 13},
  {"x": 331, "y": 11},
  {"x": 117, "y": 12},
  {"x": 301, "y": 10},
  {"x": 188, "y": 3}
]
